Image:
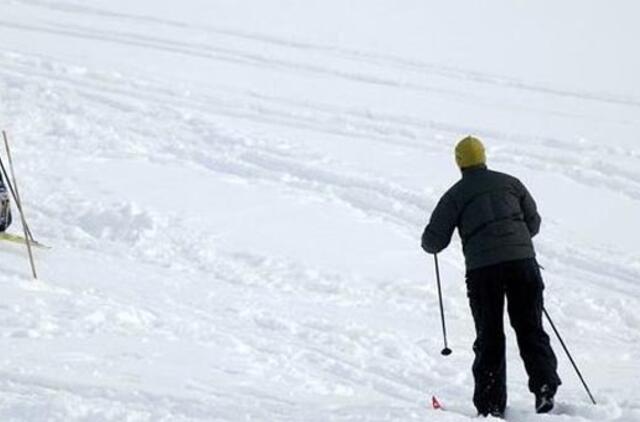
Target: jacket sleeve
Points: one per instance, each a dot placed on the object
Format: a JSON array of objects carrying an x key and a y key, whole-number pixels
[
  {"x": 437, "y": 234},
  {"x": 530, "y": 210}
]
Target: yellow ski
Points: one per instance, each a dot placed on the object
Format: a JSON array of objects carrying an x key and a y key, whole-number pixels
[{"x": 20, "y": 239}]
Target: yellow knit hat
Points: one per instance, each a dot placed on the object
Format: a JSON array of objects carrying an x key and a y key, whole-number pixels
[{"x": 470, "y": 152}]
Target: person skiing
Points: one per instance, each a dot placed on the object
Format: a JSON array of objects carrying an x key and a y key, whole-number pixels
[
  {"x": 5, "y": 207},
  {"x": 496, "y": 219}
]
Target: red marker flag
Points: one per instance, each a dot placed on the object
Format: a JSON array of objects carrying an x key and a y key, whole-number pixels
[{"x": 435, "y": 403}]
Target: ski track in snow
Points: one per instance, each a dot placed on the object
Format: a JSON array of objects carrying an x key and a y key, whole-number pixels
[
  {"x": 395, "y": 130},
  {"x": 83, "y": 112},
  {"x": 362, "y": 56}
]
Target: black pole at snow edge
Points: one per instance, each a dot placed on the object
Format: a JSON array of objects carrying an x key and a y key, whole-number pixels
[
  {"x": 564, "y": 346},
  {"x": 446, "y": 351}
]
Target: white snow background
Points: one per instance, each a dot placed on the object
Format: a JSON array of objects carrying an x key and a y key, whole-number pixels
[{"x": 235, "y": 191}]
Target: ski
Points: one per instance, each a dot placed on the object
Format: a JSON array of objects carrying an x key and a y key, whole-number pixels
[{"x": 14, "y": 238}]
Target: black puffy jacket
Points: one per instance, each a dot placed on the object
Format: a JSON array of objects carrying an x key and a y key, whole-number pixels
[{"x": 495, "y": 215}]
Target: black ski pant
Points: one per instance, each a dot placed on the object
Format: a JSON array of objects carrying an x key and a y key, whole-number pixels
[{"x": 520, "y": 281}]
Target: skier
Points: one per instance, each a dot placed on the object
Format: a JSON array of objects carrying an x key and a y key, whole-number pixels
[
  {"x": 5, "y": 207},
  {"x": 496, "y": 218}
]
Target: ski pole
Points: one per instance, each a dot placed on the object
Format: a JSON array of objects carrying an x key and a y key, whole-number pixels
[
  {"x": 446, "y": 351},
  {"x": 555, "y": 330},
  {"x": 19, "y": 205}
]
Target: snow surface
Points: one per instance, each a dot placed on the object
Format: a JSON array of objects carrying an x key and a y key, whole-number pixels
[{"x": 235, "y": 191}]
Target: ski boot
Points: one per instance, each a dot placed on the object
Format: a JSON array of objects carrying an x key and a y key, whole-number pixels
[{"x": 544, "y": 399}]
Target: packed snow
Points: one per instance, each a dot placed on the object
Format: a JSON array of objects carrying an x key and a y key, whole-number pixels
[{"x": 234, "y": 193}]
